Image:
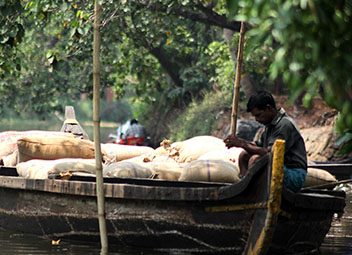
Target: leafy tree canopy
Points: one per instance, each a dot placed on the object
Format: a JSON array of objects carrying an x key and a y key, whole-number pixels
[
  {"x": 171, "y": 51},
  {"x": 312, "y": 43}
]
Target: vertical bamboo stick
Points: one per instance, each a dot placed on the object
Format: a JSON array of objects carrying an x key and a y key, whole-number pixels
[
  {"x": 236, "y": 95},
  {"x": 96, "y": 121}
]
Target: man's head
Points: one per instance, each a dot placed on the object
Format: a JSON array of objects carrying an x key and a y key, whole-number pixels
[
  {"x": 262, "y": 106},
  {"x": 133, "y": 121}
]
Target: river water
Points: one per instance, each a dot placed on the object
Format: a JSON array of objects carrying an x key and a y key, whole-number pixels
[
  {"x": 339, "y": 238},
  {"x": 337, "y": 241}
]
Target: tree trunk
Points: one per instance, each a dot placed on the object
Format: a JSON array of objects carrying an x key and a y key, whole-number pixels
[{"x": 170, "y": 68}]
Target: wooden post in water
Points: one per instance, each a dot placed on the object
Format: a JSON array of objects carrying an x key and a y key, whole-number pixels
[
  {"x": 236, "y": 94},
  {"x": 96, "y": 121}
]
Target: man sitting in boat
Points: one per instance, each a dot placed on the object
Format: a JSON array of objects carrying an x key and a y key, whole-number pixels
[
  {"x": 135, "y": 134},
  {"x": 278, "y": 125}
]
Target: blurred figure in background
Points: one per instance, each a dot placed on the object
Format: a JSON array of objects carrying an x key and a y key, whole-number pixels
[{"x": 133, "y": 135}]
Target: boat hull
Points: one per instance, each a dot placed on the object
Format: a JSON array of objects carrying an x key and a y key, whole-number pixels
[
  {"x": 146, "y": 224},
  {"x": 243, "y": 218}
]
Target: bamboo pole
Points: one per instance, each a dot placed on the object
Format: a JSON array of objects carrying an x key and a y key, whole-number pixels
[
  {"x": 236, "y": 95},
  {"x": 96, "y": 121}
]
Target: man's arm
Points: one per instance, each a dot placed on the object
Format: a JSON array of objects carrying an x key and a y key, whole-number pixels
[{"x": 250, "y": 147}]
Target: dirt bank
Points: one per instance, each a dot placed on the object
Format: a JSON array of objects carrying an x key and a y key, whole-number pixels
[{"x": 316, "y": 124}]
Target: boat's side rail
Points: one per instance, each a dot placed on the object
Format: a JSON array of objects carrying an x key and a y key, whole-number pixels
[{"x": 142, "y": 188}]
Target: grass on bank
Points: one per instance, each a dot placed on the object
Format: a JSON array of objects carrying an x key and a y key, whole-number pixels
[{"x": 201, "y": 117}]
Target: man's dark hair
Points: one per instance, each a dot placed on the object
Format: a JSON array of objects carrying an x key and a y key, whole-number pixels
[
  {"x": 260, "y": 100},
  {"x": 133, "y": 121}
]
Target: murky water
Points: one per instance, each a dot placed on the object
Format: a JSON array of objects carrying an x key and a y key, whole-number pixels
[
  {"x": 20, "y": 244},
  {"x": 339, "y": 238},
  {"x": 337, "y": 241}
]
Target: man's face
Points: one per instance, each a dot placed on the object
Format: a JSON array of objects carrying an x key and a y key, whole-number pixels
[{"x": 263, "y": 116}]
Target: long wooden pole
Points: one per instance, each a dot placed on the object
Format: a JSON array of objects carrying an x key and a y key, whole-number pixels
[
  {"x": 96, "y": 121},
  {"x": 236, "y": 95}
]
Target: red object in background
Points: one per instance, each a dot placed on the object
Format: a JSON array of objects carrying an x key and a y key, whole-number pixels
[
  {"x": 135, "y": 141},
  {"x": 132, "y": 141},
  {"x": 121, "y": 141}
]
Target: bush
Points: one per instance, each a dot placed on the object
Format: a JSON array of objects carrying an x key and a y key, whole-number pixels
[{"x": 200, "y": 118}]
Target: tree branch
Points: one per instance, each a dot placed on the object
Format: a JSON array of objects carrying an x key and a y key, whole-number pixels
[
  {"x": 168, "y": 66},
  {"x": 205, "y": 15}
]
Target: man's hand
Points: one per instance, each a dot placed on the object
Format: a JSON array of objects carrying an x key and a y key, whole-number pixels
[
  {"x": 234, "y": 141},
  {"x": 250, "y": 147}
]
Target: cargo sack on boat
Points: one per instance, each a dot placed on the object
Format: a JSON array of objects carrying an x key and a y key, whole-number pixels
[
  {"x": 10, "y": 160},
  {"x": 8, "y": 139},
  {"x": 193, "y": 148},
  {"x": 161, "y": 151},
  {"x": 119, "y": 152},
  {"x": 210, "y": 171},
  {"x": 164, "y": 148},
  {"x": 163, "y": 166},
  {"x": 151, "y": 158},
  {"x": 317, "y": 176},
  {"x": 124, "y": 169},
  {"x": 42, "y": 169},
  {"x": 165, "y": 170},
  {"x": 235, "y": 155},
  {"x": 54, "y": 148}
]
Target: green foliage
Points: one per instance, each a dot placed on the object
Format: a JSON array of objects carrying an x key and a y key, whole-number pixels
[
  {"x": 200, "y": 118},
  {"x": 164, "y": 54},
  {"x": 11, "y": 33},
  {"x": 313, "y": 45},
  {"x": 23, "y": 124},
  {"x": 311, "y": 42},
  {"x": 221, "y": 62},
  {"x": 344, "y": 142}
]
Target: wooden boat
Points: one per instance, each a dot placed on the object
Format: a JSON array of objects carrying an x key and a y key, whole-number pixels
[{"x": 254, "y": 216}]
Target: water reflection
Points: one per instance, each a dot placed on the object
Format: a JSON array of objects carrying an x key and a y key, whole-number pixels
[
  {"x": 28, "y": 244},
  {"x": 337, "y": 241},
  {"x": 21, "y": 244},
  {"x": 339, "y": 238}
]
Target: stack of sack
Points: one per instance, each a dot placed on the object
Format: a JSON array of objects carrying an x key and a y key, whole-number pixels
[
  {"x": 316, "y": 177},
  {"x": 9, "y": 154},
  {"x": 41, "y": 154},
  {"x": 201, "y": 158}
]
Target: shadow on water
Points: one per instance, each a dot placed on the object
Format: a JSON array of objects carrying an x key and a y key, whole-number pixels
[
  {"x": 338, "y": 240},
  {"x": 22, "y": 244}
]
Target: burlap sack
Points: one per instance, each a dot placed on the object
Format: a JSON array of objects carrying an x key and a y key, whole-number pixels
[
  {"x": 161, "y": 151},
  {"x": 36, "y": 147},
  {"x": 145, "y": 158},
  {"x": 8, "y": 139},
  {"x": 125, "y": 169},
  {"x": 119, "y": 152},
  {"x": 193, "y": 148},
  {"x": 7, "y": 148},
  {"x": 233, "y": 155},
  {"x": 210, "y": 171},
  {"x": 317, "y": 176},
  {"x": 165, "y": 170},
  {"x": 41, "y": 169},
  {"x": 10, "y": 160}
]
